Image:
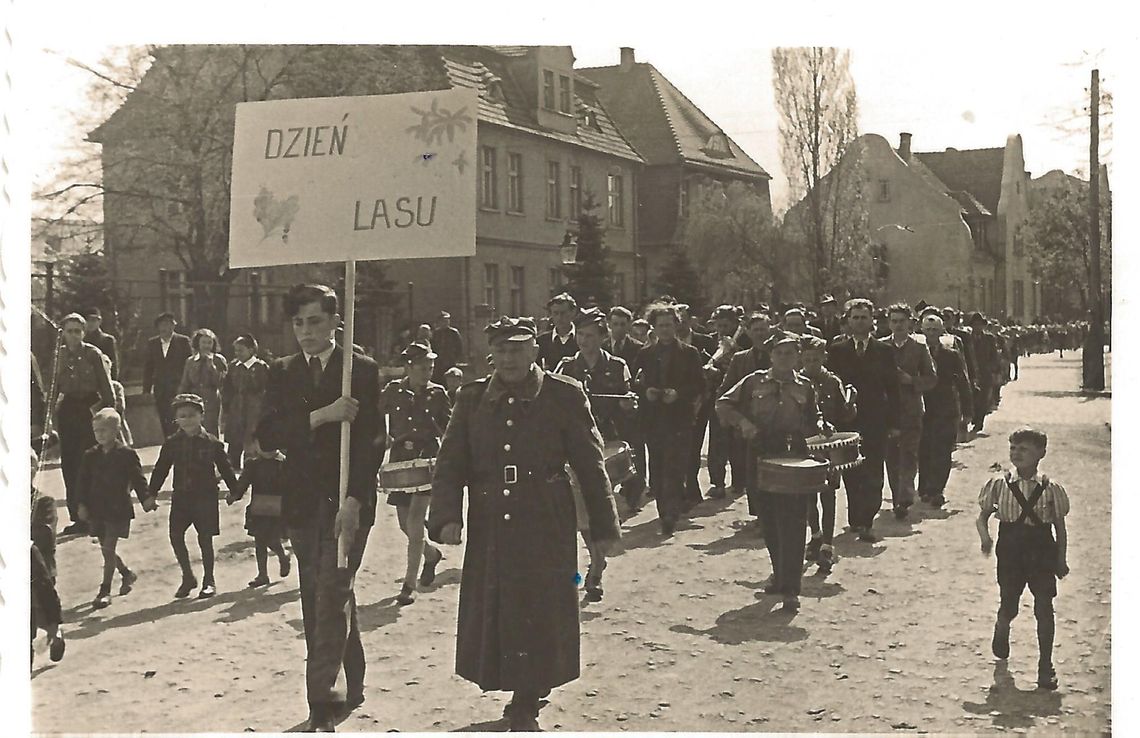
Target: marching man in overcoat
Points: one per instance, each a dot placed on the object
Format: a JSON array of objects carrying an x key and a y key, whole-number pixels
[{"x": 508, "y": 442}]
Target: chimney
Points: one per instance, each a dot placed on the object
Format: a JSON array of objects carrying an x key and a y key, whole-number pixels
[
  {"x": 904, "y": 146},
  {"x": 627, "y": 58}
]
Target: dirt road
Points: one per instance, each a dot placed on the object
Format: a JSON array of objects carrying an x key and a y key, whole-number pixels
[{"x": 896, "y": 639}]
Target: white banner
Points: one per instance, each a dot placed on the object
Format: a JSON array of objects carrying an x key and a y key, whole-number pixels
[{"x": 338, "y": 178}]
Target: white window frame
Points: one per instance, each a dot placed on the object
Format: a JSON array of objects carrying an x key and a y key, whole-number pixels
[
  {"x": 549, "y": 93},
  {"x": 615, "y": 200},
  {"x": 518, "y": 290},
  {"x": 489, "y": 195},
  {"x": 491, "y": 285},
  {"x": 553, "y": 189},
  {"x": 515, "y": 203}
]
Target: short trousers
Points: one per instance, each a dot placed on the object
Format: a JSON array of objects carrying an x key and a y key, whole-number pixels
[
  {"x": 110, "y": 529},
  {"x": 199, "y": 512}
]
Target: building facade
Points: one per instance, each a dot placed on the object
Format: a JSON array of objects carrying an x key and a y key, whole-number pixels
[
  {"x": 682, "y": 147},
  {"x": 545, "y": 147}
]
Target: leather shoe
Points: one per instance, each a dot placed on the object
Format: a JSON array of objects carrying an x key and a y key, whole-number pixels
[
  {"x": 1046, "y": 677},
  {"x": 427, "y": 575},
  {"x": 667, "y": 527},
  {"x": 868, "y": 537},
  {"x": 186, "y": 587},
  {"x": 717, "y": 493},
  {"x": 791, "y": 603}
]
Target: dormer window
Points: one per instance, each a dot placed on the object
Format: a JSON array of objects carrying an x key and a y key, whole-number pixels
[
  {"x": 589, "y": 118},
  {"x": 495, "y": 88},
  {"x": 548, "y": 89},
  {"x": 717, "y": 146},
  {"x": 564, "y": 92}
]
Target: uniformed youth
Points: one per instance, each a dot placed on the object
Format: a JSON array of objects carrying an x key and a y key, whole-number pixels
[
  {"x": 510, "y": 438},
  {"x": 776, "y": 411},
  {"x": 417, "y": 410},
  {"x": 82, "y": 388},
  {"x": 603, "y": 376}
]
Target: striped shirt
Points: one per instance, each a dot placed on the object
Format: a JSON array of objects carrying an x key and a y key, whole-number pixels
[{"x": 1051, "y": 507}]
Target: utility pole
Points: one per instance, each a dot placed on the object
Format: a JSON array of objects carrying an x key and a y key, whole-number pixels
[{"x": 1093, "y": 354}]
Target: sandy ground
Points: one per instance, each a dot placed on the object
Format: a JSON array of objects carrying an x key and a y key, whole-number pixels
[{"x": 895, "y": 639}]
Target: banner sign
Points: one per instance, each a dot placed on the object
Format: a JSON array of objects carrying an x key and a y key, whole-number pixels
[{"x": 338, "y": 178}]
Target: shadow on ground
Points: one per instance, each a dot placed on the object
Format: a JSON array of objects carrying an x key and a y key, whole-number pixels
[
  {"x": 1012, "y": 708},
  {"x": 756, "y": 622}
]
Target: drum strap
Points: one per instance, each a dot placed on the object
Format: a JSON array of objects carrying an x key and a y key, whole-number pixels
[{"x": 1027, "y": 510}]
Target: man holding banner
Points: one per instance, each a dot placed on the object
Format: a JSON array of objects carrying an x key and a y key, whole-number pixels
[
  {"x": 341, "y": 179},
  {"x": 303, "y": 411}
]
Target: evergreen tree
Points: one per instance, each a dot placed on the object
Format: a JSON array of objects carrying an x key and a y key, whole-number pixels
[
  {"x": 679, "y": 278},
  {"x": 84, "y": 283},
  {"x": 590, "y": 278}
]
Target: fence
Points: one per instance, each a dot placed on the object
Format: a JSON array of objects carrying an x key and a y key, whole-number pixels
[{"x": 250, "y": 307}]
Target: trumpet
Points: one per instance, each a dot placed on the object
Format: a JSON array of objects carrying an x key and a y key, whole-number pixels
[{"x": 729, "y": 345}]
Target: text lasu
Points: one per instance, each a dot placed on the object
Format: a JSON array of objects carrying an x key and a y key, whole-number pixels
[
  {"x": 295, "y": 143},
  {"x": 407, "y": 212}
]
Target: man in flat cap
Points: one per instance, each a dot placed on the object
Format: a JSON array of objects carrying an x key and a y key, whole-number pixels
[
  {"x": 561, "y": 340},
  {"x": 447, "y": 343},
  {"x": 828, "y": 321},
  {"x": 510, "y": 438}
]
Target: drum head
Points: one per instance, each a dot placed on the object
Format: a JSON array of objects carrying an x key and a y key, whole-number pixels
[{"x": 839, "y": 438}]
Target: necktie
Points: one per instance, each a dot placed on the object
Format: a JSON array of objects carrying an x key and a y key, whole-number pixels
[
  {"x": 860, "y": 347},
  {"x": 315, "y": 371}
]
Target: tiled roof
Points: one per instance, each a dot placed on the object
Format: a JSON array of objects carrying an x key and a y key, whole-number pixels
[
  {"x": 511, "y": 50},
  {"x": 976, "y": 171},
  {"x": 664, "y": 125},
  {"x": 969, "y": 203},
  {"x": 478, "y": 68}
]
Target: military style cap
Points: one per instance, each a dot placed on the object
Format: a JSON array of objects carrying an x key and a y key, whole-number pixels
[
  {"x": 444, "y": 314},
  {"x": 813, "y": 343},
  {"x": 188, "y": 399},
  {"x": 565, "y": 297},
  {"x": 416, "y": 352},
  {"x": 827, "y": 300},
  {"x": 725, "y": 311},
  {"x": 922, "y": 305},
  {"x": 782, "y": 337},
  {"x": 511, "y": 329},
  {"x": 933, "y": 319},
  {"x": 756, "y": 315},
  {"x": 590, "y": 316}
]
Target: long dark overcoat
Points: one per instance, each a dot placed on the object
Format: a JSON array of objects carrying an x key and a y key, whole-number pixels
[{"x": 518, "y": 604}]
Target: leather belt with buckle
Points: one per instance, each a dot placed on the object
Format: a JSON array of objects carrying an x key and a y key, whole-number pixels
[{"x": 510, "y": 474}]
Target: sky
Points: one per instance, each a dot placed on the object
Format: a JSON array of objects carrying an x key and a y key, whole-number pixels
[{"x": 974, "y": 101}]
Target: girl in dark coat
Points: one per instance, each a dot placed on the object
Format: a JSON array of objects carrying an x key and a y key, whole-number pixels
[{"x": 263, "y": 472}]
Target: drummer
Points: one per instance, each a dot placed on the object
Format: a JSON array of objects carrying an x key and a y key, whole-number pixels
[
  {"x": 837, "y": 404},
  {"x": 601, "y": 373},
  {"x": 417, "y": 413},
  {"x": 775, "y": 410}
]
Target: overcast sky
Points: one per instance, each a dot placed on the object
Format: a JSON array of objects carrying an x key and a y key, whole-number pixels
[{"x": 968, "y": 97}]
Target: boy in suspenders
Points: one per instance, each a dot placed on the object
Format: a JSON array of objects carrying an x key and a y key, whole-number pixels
[{"x": 1028, "y": 506}]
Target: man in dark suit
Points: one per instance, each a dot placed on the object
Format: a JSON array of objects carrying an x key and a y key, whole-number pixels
[
  {"x": 166, "y": 356},
  {"x": 621, "y": 344},
  {"x": 560, "y": 342},
  {"x": 671, "y": 384},
  {"x": 447, "y": 343},
  {"x": 869, "y": 365},
  {"x": 705, "y": 344},
  {"x": 302, "y": 415},
  {"x": 828, "y": 320},
  {"x": 105, "y": 342}
]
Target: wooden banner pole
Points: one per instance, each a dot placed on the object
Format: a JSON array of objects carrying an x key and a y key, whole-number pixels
[{"x": 349, "y": 311}]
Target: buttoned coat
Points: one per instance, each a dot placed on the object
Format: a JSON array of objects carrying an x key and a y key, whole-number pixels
[
  {"x": 610, "y": 376},
  {"x": 243, "y": 391},
  {"x": 673, "y": 365},
  {"x": 913, "y": 358},
  {"x": 106, "y": 479},
  {"x": 416, "y": 420},
  {"x": 518, "y": 605},
  {"x": 875, "y": 376},
  {"x": 951, "y": 397}
]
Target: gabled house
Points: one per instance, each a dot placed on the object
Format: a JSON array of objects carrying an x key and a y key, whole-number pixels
[
  {"x": 994, "y": 179},
  {"x": 544, "y": 141},
  {"x": 681, "y": 146},
  {"x": 944, "y": 226}
]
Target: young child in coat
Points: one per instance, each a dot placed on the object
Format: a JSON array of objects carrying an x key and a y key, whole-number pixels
[
  {"x": 1028, "y": 506},
  {"x": 107, "y": 474},
  {"x": 194, "y": 453},
  {"x": 263, "y": 473}
]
